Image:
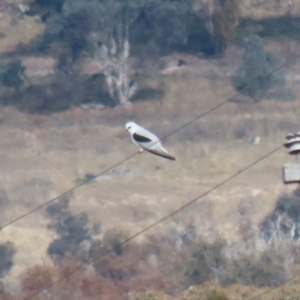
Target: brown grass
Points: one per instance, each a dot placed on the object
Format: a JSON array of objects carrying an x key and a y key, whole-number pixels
[
  {"x": 41, "y": 157},
  {"x": 267, "y": 9},
  {"x": 238, "y": 292},
  {"x": 22, "y": 32}
]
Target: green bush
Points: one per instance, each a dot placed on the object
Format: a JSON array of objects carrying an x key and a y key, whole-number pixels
[
  {"x": 59, "y": 92},
  {"x": 266, "y": 270},
  {"x": 284, "y": 221},
  {"x": 205, "y": 259},
  {"x": 209, "y": 263},
  {"x": 7, "y": 253},
  {"x": 255, "y": 78},
  {"x": 147, "y": 94},
  {"x": 11, "y": 72},
  {"x": 72, "y": 231}
]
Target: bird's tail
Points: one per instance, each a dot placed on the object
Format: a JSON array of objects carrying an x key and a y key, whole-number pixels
[{"x": 162, "y": 154}]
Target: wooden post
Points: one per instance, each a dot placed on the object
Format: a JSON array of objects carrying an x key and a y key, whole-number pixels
[{"x": 291, "y": 172}]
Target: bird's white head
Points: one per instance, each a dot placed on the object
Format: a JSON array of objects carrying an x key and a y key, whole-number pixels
[{"x": 131, "y": 127}]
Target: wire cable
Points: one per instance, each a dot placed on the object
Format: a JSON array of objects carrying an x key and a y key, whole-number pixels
[
  {"x": 135, "y": 154},
  {"x": 166, "y": 217},
  {"x": 67, "y": 192}
]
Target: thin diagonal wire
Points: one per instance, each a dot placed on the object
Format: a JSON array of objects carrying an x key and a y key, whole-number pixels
[
  {"x": 67, "y": 192},
  {"x": 166, "y": 217},
  {"x": 133, "y": 155},
  {"x": 231, "y": 98}
]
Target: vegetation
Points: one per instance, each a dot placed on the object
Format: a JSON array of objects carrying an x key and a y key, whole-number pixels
[
  {"x": 274, "y": 27},
  {"x": 128, "y": 271},
  {"x": 284, "y": 221},
  {"x": 255, "y": 77},
  {"x": 11, "y": 72},
  {"x": 60, "y": 92},
  {"x": 109, "y": 33},
  {"x": 224, "y": 20},
  {"x": 114, "y": 54},
  {"x": 207, "y": 262},
  {"x": 266, "y": 270},
  {"x": 106, "y": 33},
  {"x": 102, "y": 31},
  {"x": 71, "y": 229},
  {"x": 7, "y": 252}
]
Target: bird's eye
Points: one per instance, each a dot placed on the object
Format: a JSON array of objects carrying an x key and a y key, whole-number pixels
[{"x": 129, "y": 127}]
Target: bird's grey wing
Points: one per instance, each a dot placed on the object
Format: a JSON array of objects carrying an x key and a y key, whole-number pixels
[{"x": 144, "y": 138}]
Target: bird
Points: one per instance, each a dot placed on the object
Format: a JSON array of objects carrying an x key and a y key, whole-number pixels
[{"x": 146, "y": 140}]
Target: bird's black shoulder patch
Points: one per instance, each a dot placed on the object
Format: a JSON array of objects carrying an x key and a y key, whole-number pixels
[{"x": 140, "y": 138}]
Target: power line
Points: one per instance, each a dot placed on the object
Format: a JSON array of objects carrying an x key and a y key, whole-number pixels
[
  {"x": 166, "y": 217},
  {"x": 134, "y": 154},
  {"x": 67, "y": 192}
]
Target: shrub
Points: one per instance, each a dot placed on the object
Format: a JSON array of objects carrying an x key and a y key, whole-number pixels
[
  {"x": 207, "y": 260},
  {"x": 37, "y": 278},
  {"x": 224, "y": 20},
  {"x": 7, "y": 252},
  {"x": 254, "y": 78},
  {"x": 4, "y": 199},
  {"x": 267, "y": 270},
  {"x": 134, "y": 266},
  {"x": 11, "y": 72},
  {"x": 284, "y": 221},
  {"x": 113, "y": 239},
  {"x": 72, "y": 231},
  {"x": 148, "y": 94},
  {"x": 117, "y": 262},
  {"x": 289, "y": 204},
  {"x": 59, "y": 92},
  {"x": 209, "y": 263}
]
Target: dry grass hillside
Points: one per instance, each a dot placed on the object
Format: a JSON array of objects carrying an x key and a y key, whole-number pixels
[
  {"x": 259, "y": 9},
  {"x": 44, "y": 156}
]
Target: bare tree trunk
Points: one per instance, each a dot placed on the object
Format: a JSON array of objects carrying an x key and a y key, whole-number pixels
[
  {"x": 115, "y": 66},
  {"x": 208, "y": 6}
]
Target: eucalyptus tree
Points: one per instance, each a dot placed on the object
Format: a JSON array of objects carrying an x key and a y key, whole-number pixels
[{"x": 101, "y": 30}]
